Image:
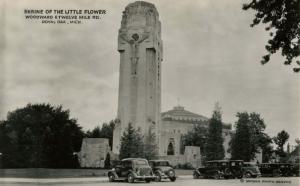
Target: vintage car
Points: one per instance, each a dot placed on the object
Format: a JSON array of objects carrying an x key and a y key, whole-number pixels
[
  {"x": 132, "y": 169},
  {"x": 162, "y": 170},
  {"x": 250, "y": 170},
  {"x": 218, "y": 169},
  {"x": 276, "y": 169}
]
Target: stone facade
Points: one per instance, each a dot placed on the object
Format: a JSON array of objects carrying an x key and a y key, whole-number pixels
[
  {"x": 191, "y": 157},
  {"x": 140, "y": 48},
  {"x": 93, "y": 152},
  {"x": 177, "y": 122}
]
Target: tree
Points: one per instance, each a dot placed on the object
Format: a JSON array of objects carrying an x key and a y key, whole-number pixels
[
  {"x": 150, "y": 147},
  {"x": 282, "y": 19},
  {"x": 265, "y": 142},
  {"x": 106, "y": 131},
  {"x": 281, "y": 138},
  {"x": 131, "y": 143},
  {"x": 250, "y": 138},
  {"x": 42, "y": 134},
  {"x": 240, "y": 141},
  {"x": 214, "y": 146},
  {"x": 95, "y": 133},
  {"x": 107, "y": 164},
  {"x": 258, "y": 139},
  {"x": 196, "y": 137}
]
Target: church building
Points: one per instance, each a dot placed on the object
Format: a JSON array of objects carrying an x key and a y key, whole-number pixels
[{"x": 177, "y": 122}]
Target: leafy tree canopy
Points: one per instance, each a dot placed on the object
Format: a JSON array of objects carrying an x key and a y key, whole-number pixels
[
  {"x": 42, "y": 134},
  {"x": 281, "y": 138},
  {"x": 249, "y": 137},
  {"x": 282, "y": 20},
  {"x": 196, "y": 137}
]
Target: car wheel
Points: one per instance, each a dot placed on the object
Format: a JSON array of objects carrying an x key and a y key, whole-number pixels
[
  {"x": 247, "y": 175},
  {"x": 130, "y": 178},
  {"x": 173, "y": 179},
  {"x": 216, "y": 176},
  {"x": 195, "y": 176},
  {"x": 238, "y": 174},
  {"x": 111, "y": 178},
  {"x": 148, "y": 181},
  {"x": 157, "y": 177}
]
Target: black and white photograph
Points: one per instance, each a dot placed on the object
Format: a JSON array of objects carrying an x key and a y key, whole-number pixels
[{"x": 154, "y": 92}]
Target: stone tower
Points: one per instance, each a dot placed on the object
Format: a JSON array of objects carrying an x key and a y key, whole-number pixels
[{"x": 140, "y": 48}]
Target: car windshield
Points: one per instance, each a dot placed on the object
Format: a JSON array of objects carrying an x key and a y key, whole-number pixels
[
  {"x": 141, "y": 162},
  {"x": 162, "y": 163}
]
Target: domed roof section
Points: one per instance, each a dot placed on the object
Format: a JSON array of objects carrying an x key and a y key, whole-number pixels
[{"x": 178, "y": 113}]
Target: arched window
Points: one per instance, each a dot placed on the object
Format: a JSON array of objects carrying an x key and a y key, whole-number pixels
[{"x": 170, "y": 149}]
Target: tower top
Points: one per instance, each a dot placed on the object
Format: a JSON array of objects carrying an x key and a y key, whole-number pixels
[
  {"x": 138, "y": 4},
  {"x": 140, "y": 14}
]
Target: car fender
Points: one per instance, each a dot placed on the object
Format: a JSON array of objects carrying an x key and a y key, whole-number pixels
[{"x": 158, "y": 171}]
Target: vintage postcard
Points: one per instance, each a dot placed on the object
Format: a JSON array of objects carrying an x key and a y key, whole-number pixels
[{"x": 116, "y": 92}]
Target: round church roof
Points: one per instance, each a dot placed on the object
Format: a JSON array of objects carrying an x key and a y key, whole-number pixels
[{"x": 178, "y": 113}]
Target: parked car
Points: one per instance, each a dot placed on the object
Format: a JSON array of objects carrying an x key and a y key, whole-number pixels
[
  {"x": 132, "y": 169},
  {"x": 220, "y": 169},
  {"x": 162, "y": 170},
  {"x": 250, "y": 170},
  {"x": 276, "y": 169}
]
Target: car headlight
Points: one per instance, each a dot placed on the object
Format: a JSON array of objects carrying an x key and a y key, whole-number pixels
[{"x": 171, "y": 173}]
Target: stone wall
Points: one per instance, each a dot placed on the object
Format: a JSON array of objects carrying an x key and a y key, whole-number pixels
[
  {"x": 191, "y": 156},
  {"x": 93, "y": 152}
]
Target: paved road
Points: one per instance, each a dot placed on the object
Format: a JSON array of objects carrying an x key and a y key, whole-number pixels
[{"x": 183, "y": 181}]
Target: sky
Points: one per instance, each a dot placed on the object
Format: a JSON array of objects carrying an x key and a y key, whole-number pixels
[{"x": 210, "y": 55}]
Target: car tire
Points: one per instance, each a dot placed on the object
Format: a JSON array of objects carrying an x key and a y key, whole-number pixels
[
  {"x": 196, "y": 176},
  {"x": 111, "y": 177},
  {"x": 157, "y": 177},
  {"x": 238, "y": 174},
  {"x": 173, "y": 179},
  {"x": 247, "y": 175},
  {"x": 130, "y": 178},
  {"x": 216, "y": 176}
]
